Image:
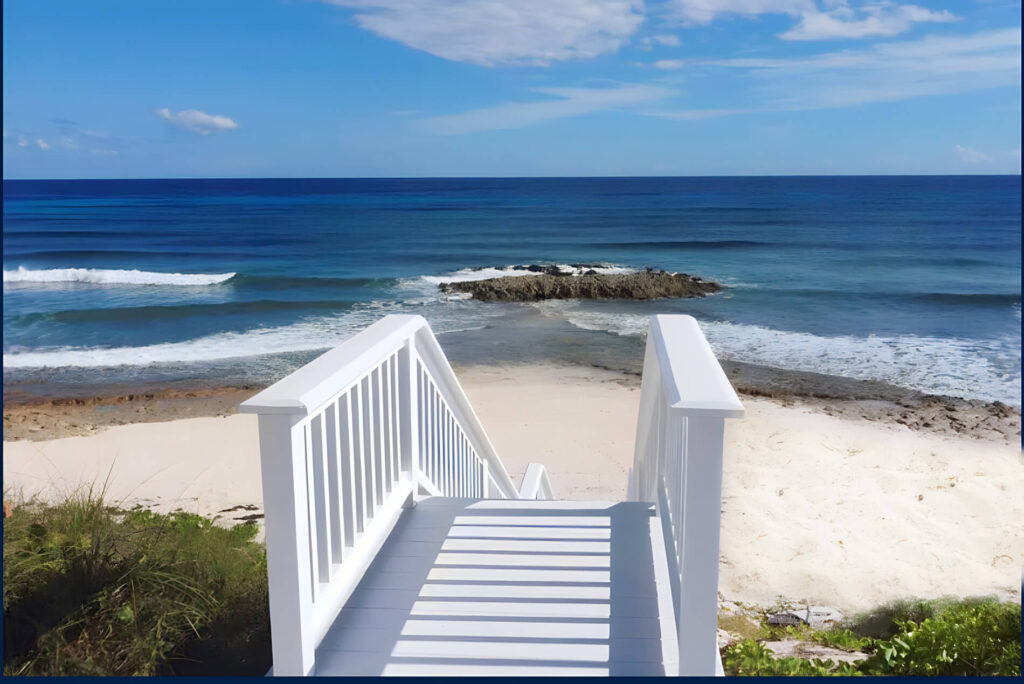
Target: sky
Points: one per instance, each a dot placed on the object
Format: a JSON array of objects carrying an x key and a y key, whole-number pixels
[{"x": 428, "y": 88}]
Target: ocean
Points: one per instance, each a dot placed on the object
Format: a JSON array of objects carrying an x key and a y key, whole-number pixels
[{"x": 910, "y": 280}]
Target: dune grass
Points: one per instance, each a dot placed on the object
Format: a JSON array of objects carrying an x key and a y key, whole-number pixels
[{"x": 93, "y": 590}]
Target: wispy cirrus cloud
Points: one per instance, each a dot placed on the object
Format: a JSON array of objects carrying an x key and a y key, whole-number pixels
[
  {"x": 971, "y": 155},
  {"x": 197, "y": 121},
  {"x": 829, "y": 20},
  {"x": 934, "y": 65},
  {"x": 24, "y": 140},
  {"x": 706, "y": 11},
  {"x": 561, "y": 103},
  {"x": 663, "y": 39},
  {"x": 498, "y": 32},
  {"x": 877, "y": 19}
]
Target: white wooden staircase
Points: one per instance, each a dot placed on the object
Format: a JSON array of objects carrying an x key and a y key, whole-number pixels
[{"x": 398, "y": 545}]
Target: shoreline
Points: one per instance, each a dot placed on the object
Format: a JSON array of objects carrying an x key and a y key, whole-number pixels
[
  {"x": 833, "y": 510},
  {"x": 28, "y": 416}
]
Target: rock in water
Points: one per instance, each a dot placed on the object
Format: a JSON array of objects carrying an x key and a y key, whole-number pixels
[{"x": 590, "y": 285}]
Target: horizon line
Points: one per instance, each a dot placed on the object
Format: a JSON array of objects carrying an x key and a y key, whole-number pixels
[{"x": 552, "y": 177}]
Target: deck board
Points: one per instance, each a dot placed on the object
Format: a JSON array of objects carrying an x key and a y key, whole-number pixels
[{"x": 468, "y": 587}]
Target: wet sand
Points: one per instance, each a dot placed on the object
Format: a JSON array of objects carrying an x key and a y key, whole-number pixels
[{"x": 33, "y": 418}]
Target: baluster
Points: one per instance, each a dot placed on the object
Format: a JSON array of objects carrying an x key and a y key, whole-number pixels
[
  {"x": 441, "y": 460},
  {"x": 348, "y": 467},
  {"x": 380, "y": 434},
  {"x": 439, "y": 440},
  {"x": 370, "y": 455},
  {"x": 462, "y": 467},
  {"x": 457, "y": 441},
  {"x": 323, "y": 477},
  {"x": 467, "y": 472},
  {"x": 338, "y": 481},
  {"x": 365, "y": 510},
  {"x": 449, "y": 456},
  {"x": 483, "y": 478},
  {"x": 314, "y": 563},
  {"x": 393, "y": 418},
  {"x": 478, "y": 476},
  {"x": 431, "y": 427},
  {"x": 424, "y": 404},
  {"x": 384, "y": 428}
]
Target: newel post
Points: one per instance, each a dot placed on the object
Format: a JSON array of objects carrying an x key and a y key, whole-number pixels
[
  {"x": 702, "y": 511},
  {"x": 408, "y": 401},
  {"x": 283, "y": 465}
]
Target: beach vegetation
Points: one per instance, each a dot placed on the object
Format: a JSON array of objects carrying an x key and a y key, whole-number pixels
[
  {"x": 973, "y": 636},
  {"x": 90, "y": 589}
]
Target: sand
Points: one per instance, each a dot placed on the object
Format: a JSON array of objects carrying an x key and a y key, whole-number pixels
[{"x": 833, "y": 509}]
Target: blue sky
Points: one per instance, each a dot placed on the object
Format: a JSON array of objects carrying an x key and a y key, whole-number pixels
[{"x": 276, "y": 88}]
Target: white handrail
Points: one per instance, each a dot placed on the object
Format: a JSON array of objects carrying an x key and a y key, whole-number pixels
[
  {"x": 346, "y": 442},
  {"x": 685, "y": 398},
  {"x": 536, "y": 484}
]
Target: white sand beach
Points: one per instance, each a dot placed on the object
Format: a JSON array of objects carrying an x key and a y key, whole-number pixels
[{"x": 832, "y": 510}]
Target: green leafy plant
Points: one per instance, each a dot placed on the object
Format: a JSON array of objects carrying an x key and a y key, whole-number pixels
[
  {"x": 752, "y": 658},
  {"x": 971, "y": 639},
  {"x": 940, "y": 637},
  {"x": 843, "y": 639}
]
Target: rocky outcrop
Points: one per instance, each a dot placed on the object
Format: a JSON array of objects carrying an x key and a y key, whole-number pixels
[{"x": 554, "y": 284}]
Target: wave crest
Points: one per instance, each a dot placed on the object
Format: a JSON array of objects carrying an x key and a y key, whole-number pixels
[
  {"x": 972, "y": 368},
  {"x": 102, "y": 276},
  {"x": 488, "y": 272}
]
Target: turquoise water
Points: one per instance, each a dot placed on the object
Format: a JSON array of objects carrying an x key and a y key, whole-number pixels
[{"x": 910, "y": 280}]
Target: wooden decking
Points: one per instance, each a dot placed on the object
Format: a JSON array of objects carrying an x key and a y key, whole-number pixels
[{"x": 471, "y": 587}]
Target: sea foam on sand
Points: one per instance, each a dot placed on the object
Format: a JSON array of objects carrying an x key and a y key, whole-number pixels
[{"x": 848, "y": 513}]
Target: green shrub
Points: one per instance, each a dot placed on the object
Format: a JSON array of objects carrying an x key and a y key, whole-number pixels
[
  {"x": 751, "y": 658},
  {"x": 91, "y": 590},
  {"x": 969, "y": 639},
  {"x": 940, "y": 637},
  {"x": 844, "y": 640}
]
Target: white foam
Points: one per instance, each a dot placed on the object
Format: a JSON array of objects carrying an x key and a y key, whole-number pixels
[
  {"x": 980, "y": 369},
  {"x": 311, "y": 334},
  {"x": 101, "y": 276},
  {"x": 471, "y": 274}
]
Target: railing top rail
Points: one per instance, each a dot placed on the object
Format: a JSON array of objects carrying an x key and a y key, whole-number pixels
[
  {"x": 310, "y": 387},
  {"x": 693, "y": 380}
]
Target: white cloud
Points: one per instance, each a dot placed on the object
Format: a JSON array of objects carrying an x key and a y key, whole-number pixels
[
  {"x": 669, "y": 64},
  {"x": 197, "y": 121},
  {"x": 668, "y": 39},
  {"x": 933, "y": 65},
  {"x": 665, "y": 39},
  {"x": 971, "y": 156},
  {"x": 22, "y": 141},
  {"x": 42, "y": 144},
  {"x": 835, "y": 19},
  {"x": 705, "y": 11},
  {"x": 881, "y": 19},
  {"x": 492, "y": 32},
  {"x": 565, "y": 102}
]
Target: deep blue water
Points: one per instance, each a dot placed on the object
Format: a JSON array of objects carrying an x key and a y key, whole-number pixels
[{"x": 912, "y": 280}]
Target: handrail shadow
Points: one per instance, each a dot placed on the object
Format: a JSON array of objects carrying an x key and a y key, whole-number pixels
[{"x": 456, "y": 590}]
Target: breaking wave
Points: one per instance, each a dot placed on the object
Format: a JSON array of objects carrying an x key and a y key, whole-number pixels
[
  {"x": 987, "y": 369},
  {"x": 101, "y": 276}
]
